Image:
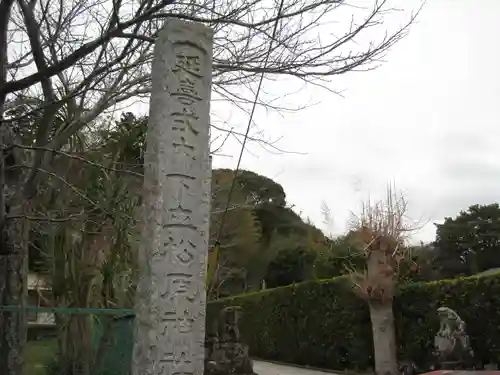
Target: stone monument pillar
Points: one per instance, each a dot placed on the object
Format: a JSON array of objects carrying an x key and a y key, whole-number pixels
[{"x": 170, "y": 322}]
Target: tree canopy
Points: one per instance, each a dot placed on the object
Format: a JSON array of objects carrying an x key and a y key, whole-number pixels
[{"x": 470, "y": 242}]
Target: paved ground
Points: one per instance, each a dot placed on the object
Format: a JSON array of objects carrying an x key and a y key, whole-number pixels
[{"x": 267, "y": 368}]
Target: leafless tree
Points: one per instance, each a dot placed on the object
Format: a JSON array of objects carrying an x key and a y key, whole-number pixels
[
  {"x": 382, "y": 230},
  {"x": 66, "y": 62}
]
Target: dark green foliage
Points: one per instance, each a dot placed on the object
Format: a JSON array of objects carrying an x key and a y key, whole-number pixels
[
  {"x": 126, "y": 141},
  {"x": 470, "y": 242},
  {"x": 263, "y": 189},
  {"x": 314, "y": 323},
  {"x": 475, "y": 299},
  {"x": 271, "y": 229},
  {"x": 342, "y": 256},
  {"x": 290, "y": 266},
  {"x": 324, "y": 324}
]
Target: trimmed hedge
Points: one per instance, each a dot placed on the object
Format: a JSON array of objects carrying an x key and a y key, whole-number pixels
[{"x": 324, "y": 324}]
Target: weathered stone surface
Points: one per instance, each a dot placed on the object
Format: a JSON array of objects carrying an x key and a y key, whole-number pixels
[
  {"x": 407, "y": 367},
  {"x": 452, "y": 347},
  {"x": 170, "y": 320},
  {"x": 225, "y": 353}
]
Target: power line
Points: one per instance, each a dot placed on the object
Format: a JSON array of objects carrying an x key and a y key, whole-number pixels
[{"x": 233, "y": 182}]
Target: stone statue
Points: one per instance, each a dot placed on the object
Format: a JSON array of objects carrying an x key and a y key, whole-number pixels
[
  {"x": 229, "y": 324},
  {"x": 407, "y": 367},
  {"x": 225, "y": 353},
  {"x": 451, "y": 341}
]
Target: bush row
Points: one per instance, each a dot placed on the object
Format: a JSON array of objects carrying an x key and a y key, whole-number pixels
[{"x": 324, "y": 324}]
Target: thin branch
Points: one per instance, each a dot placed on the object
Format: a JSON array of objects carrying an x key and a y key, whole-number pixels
[{"x": 80, "y": 158}]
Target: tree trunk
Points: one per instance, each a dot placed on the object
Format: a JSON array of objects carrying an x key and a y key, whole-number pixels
[
  {"x": 13, "y": 292},
  {"x": 384, "y": 338}
]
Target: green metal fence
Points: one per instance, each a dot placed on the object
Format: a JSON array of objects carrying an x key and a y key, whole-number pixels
[
  {"x": 118, "y": 353},
  {"x": 78, "y": 341}
]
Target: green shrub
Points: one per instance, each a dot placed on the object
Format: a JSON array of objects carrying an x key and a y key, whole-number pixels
[
  {"x": 475, "y": 299},
  {"x": 319, "y": 323},
  {"x": 322, "y": 323}
]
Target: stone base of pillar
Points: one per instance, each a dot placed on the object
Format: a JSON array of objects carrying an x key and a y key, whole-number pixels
[
  {"x": 225, "y": 352},
  {"x": 226, "y": 357}
]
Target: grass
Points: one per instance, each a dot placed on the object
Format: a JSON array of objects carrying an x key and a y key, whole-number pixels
[{"x": 39, "y": 353}]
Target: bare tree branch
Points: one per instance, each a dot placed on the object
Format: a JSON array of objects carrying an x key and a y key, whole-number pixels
[{"x": 91, "y": 55}]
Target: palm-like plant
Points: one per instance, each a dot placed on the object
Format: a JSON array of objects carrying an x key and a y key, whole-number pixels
[{"x": 89, "y": 249}]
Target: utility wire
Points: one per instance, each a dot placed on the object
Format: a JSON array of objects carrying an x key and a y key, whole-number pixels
[{"x": 233, "y": 182}]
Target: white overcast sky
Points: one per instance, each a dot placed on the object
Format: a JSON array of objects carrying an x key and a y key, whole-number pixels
[{"x": 426, "y": 120}]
